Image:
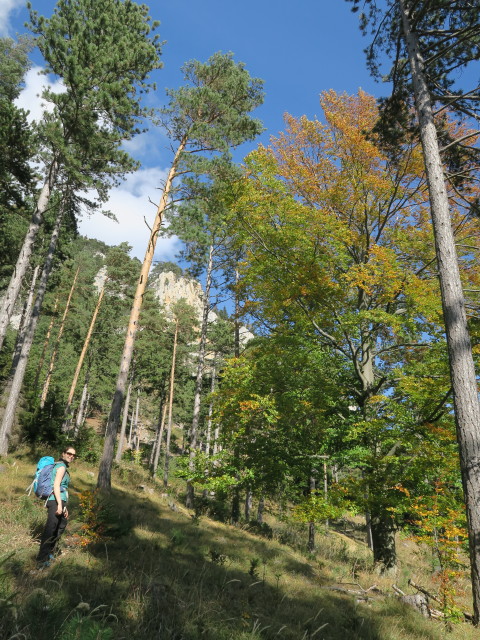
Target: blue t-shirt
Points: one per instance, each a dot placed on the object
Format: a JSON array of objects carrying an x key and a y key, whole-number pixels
[{"x": 64, "y": 483}]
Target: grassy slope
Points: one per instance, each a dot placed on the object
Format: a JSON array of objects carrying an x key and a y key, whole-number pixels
[{"x": 165, "y": 575}]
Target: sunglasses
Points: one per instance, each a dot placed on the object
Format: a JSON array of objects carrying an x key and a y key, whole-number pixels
[{"x": 69, "y": 453}]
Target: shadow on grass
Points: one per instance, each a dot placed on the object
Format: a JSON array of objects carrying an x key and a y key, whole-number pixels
[{"x": 166, "y": 577}]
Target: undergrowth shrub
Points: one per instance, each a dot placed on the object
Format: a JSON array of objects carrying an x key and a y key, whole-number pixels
[
  {"x": 89, "y": 445},
  {"x": 260, "y": 529},
  {"x": 85, "y": 628},
  {"x": 95, "y": 514}
]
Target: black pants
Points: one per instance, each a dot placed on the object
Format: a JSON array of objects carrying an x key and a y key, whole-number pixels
[{"x": 54, "y": 528}]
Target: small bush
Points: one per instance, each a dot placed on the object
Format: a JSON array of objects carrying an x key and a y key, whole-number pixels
[
  {"x": 260, "y": 529},
  {"x": 89, "y": 445}
]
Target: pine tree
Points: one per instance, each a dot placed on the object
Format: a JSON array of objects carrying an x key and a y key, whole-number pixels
[
  {"x": 103, "y": 51},
  {"x": 205, "y": 118}
]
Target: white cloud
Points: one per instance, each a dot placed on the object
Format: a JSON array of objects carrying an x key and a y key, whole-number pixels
[
  {"x": 6, "y": 8},
  {"x": 30, "y": 97},
  {"x": 130, "y": 202}
]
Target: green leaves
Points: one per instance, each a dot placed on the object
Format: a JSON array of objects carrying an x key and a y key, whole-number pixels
[{"x": 103, "y": 53}]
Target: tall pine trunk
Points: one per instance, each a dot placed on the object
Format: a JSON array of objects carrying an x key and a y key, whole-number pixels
[
  {"x": 53, "y": 357},
  {"x": 81, "y": 410},
  {"x": 105, "y": 468},
  {"x": 118, "y": 455},
  {"x": 311, "y": 525},
  {"x": 199, "y": 380},
  {"x": 23, "y": 260},
  {"x": 170, "y": 407},
  {"x": 235, "y": 516},
  {"x": 25, "y": 319},
  {"x": 462, "y": 369},
  {"x": 158, "y": 448},
  {"x": 78, "y": 368},
  {"x": 248, "y": 503},
  {"x": 21, "y": 363},
  {"x": 46, "y": 342}
]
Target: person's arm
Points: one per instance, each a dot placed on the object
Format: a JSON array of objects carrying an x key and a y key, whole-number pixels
[{"x": 56, "y": 488}]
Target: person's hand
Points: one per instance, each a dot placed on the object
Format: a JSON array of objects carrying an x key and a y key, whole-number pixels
[
  {"x": 65, "y": 512},
  {"x": 59, "y": 510}
]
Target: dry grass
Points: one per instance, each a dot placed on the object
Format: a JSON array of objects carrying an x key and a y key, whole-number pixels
[{"x": 169, "y": 576}]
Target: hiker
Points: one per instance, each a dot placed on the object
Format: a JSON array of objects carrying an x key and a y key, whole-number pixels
[{"x": 56, "y": 504}]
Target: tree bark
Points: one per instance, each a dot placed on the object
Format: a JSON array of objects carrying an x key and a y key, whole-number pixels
[
  {"x": 23, "y": 260},
  {"x": 248, "y": 503},
  {"x": 260, "y": 509},
  {"x": 132, "y": 420},
  {"x": 170, "y": 406},
  {"x": 66, "y": 423},
  {"x": 311, "y": 525},
  {"x": 199, "y": 380},
  {"x": 383, "y": 541},
  {"x": 25, "y": 319},
  {"x": 158, "y": 448},
  {"x": 45, "y": 345},
  {"x": 462, "y": 369},
  {"x": 105, "y": 468},
  {"x": 20, "y": 366},
  {"x": 81, "y": 410},
  {"x": 118, "y": 456},
  {"x": 53, "y": 357},
  {"x": 23, "y": 328},
  {"x": 135, "y": 422}
]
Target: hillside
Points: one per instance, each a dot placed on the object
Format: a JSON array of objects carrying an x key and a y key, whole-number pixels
[{"x": 162, "y": 572}]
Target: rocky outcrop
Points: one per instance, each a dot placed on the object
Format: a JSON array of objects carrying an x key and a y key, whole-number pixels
[{"x": 168, "y": 288}]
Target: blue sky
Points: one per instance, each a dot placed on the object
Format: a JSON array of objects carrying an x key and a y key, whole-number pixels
[{"x": 299, "y": 50}]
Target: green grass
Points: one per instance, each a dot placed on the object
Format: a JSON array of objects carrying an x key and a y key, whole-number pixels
[{"x": 166, "y": 575}]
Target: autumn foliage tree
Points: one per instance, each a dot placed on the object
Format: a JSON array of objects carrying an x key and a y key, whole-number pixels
[{"x": 338, "y": 233}]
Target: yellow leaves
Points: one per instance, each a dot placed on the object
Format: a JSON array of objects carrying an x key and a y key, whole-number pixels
[{"x": 380, "y": 275}]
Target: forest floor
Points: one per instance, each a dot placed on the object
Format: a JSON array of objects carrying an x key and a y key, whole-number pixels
[{"x": 160, "y": 572}]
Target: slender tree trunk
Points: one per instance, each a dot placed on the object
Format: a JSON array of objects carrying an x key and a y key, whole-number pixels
[
  {"x": 311, "y": 525},
  {"x": 208, "y": 436},
  {"x": 159, "y": 441},
  {"x": 170, "y": 407},
  {"x": 53, "y": 357},
  {"x": 199, "y": 380},
  {"x": 462, "y": 369},
  {"x": 135, "y": 424},
  {"x": 216, "y": 435},
  {"x": 23, "y": 328},
  {"x": 85, "y": 413},
  {"x": 66, "y": 423},
  {"x": 260, "y": 509},
  {"x": 23, "y": 260},
  {"x": 236, "y": 455},
  {"x": 45, "y": 345},
  {"x": 105, "y": 468},
  {"x": 368, "y": 521},
  {"x": 248, "y": 503},
  {"x": 20, "y": 366},
  {"x": 81, "y": 409},
  {"x": 325, "y": 488},
  {"x": 25, "y": 319},
  {"x": 132, "y": 420},
  {"x": 118, "y": 456}
]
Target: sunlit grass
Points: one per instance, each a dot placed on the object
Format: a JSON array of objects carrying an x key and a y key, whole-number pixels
[{"x": 163, "y": 574}]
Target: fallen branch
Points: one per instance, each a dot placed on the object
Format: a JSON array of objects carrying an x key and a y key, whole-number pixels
[{"x": 467, "y": 616}]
